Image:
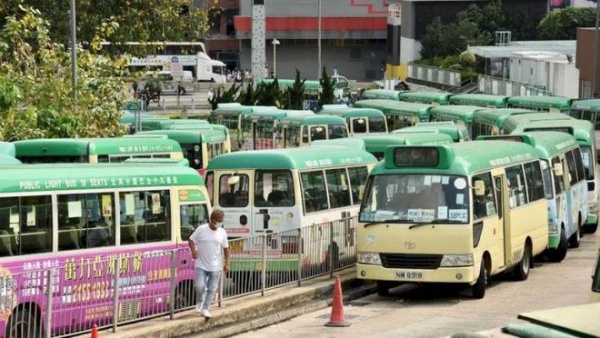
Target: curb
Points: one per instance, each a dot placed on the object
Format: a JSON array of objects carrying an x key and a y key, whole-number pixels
[
  {"x": 274, "y": 318},
  {"x": 248, "y": 312}
]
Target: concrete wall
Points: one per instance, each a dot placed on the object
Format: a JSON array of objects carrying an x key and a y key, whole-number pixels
[
  {"x": 558, "y": 77},
  {"x": 356, "y": 62}
]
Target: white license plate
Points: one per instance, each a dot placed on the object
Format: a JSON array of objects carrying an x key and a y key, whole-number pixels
[{"x": 408, "y": 275}]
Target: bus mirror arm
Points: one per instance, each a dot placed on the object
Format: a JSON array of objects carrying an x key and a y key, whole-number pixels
[
  {"x": 557, "y": 168},
  {"x": 233, "y": 180},
  {"x": 479, "y": 188}
]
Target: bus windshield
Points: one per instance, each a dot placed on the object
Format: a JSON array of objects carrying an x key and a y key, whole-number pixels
[
  {"x": 416, "y": 198},
  {"x": 274, "y": 188}
]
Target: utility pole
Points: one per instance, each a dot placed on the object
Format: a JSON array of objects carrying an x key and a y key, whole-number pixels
[
  {"x": 73, "y": 54},
  {"x": 596, "y": 41}
]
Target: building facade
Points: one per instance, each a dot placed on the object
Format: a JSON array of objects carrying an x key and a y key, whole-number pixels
[
  {"x": 353, "y": 37},
  {"x": 586, "y": 41}
]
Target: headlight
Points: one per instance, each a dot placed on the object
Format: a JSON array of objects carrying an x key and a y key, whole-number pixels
[
  {"x": 369, "y": 258},
  {"x": 457, "y": 260},
  {"x": 196, "y": 148},
  {"x": 593, "y": 207}
]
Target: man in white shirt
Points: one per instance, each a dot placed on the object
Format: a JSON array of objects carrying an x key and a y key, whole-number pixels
[{"x": 206, "y": 243}]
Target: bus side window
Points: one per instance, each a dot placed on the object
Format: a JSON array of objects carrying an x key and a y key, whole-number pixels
[
  {"x": 559, "y": 183},
  {"x": 36, "y": 224},
  {"x": 337, "y": 183},
  {"x": 313, "y": 185},
  {"x": 235, "y": 196},
  {"x": 535, "y": 183},
  {"x": 484, "y": 206},
  {"x": 516, "y": 186},
  {"x": 358, "y": 178}
]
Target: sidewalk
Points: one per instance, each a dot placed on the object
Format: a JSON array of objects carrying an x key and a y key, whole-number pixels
[{"x": 246, "y": 313}]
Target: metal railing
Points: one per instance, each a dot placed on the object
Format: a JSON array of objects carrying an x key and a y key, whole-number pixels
[
  {"x": 446, "y": 77},
  {"x": 493, "y": 85},
  {"x": 130, "y": 285}
]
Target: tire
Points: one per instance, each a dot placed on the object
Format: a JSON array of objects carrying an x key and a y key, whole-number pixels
[
  {"x": 557, "y": 255},
  {"x": 478, "y": 289},
  {"x": 521, "y": 271},
  {"x": 24, "y": 323},
  {"x": 181, "y": 91},
  {"x": 575, "y": 238},
  {"x": 590, "y": 228},
  {"x": 383, "y": 288},
  {"x": 156, "y": 98},
  {"x": 185, "y": 295}
]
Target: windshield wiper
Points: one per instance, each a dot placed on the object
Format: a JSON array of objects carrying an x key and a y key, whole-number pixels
[
  {"x": 435, "y": 221},
  {"x": 381, "y": 222}
]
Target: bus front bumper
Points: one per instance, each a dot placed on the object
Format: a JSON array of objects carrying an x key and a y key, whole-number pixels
[{"x": 463, "y": 274}]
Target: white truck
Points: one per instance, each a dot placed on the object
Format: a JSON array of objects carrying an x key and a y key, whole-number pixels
[{"x": 204, "y": 68}]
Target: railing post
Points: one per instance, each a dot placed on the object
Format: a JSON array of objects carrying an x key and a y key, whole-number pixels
[
  {"x": 192, "y": 107},
  {"x": 263, "y": 276},
  {"x": 172, "y": 285},
  {"x": 330, "y": 249},
  {"x": 116, "y": 294},
  {"x": 220, "y": 291},
  {"x": 50, "y": 291},
  {"x": 300, "y": 249},
  {"x": 164, "y": 105}
]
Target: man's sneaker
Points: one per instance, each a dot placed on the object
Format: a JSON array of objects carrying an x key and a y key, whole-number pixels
[
  {"x": 205, "y": 314},
  {"x": 199, "y": 308}
]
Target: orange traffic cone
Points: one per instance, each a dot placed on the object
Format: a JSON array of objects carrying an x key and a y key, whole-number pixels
[
  {"x": 337, "y": 309},
  {"x": 95, "y": 331}
]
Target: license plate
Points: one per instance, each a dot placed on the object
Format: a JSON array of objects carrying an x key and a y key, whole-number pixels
[{"x": 408, "y": 275}]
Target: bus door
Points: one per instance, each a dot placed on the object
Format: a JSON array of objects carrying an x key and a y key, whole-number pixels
[
  {"x": 233, "y": 197},
  {"x": 504, "y": 216}
]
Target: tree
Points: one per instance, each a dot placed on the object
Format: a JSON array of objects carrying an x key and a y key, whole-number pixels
[
  {"x": 327, "y": 91},
  {"x": 141, "y": 20},
  {"x": 248, "y": 97},
  {"x": 295, "y": 94},
  {"x": 224, "y": 96},
  {"x": 269, "y": 94},
  {"x": 562, "y": 24},
  {"x": 35, "y": 85}
]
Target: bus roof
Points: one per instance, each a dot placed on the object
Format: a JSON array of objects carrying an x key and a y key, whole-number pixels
[
  {"x": 296, "y": 158},
  {"x": 396, "y": 107},
  {"x": 7, "y": 159},
  {"x": 426, "y": 97},
  {"x": 190, "y": 135},
  {"x": 548, "y": 143},
  {"x": 313, "y": 119},
  {"x": 515, "y": 121},
  {"x": 93, "y": 146},
  {"x": 353, "y": 112},
  {"x": 455, "y": 112},
  {"x": 556, "y": 102},
  {"x": 277, "y": 114},
  {"x": 591, "y": 104},
  {"x": 47, "y": 177},
  {"x": 463, "y": 158},
  {"x": 583, "y": 130},
  {"x": 7, "y": 148},
  {"x": 350, "y": 143},
  {"x": 378, "y": 143},
  {"x": 498, "y": 116},
  {"x": 455, "y": 131},
  {"x": 482, "y": 100},
  {"x": 381, "y": 94}
]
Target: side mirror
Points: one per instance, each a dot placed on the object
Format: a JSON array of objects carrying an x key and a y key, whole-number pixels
[
  {"x": 558, "y": 169},
  {"x": 360, "y": 121},
  {"x": 233, "y": 180},
  {"x": 479, "y": 188}
]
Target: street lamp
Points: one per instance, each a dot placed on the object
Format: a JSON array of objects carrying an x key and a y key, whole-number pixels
[
  {"x": 319, "y": 40},
  {"x": 275, "y": 44}
]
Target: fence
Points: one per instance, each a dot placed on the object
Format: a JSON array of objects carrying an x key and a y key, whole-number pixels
[
  {"x": 498, "y": 86},
  {"x": 128, "y": 286},
  {"x": 436, "y": 75}
]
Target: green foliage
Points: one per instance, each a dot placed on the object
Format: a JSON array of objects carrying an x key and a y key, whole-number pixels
[
  {"x": 295, "y": 95},
  {"x": 467, "y": 59},
  {"x": 269, "y": 94},
  {"x": 224, "y": 96},
  {"x": 248, "y": 97},
  {"x": 327, "y": 91},
  {"x": 35, "y": 85},
  {"x": 562, "y": 24},
  {"x": 474, "y": 26},
  {"x": 127, "y": 20}
]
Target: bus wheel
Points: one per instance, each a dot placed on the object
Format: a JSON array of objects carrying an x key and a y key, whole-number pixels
[
  {"x": 383, "y": 288},
  {"x": 558, "y": 254},
  {"x": 590, "y": 228},
  {"x": 25, "y": 323},
  {"x": 575, "y": 239},
  {"x": 185, "y": 295},
  {"x": 478, "y": 289},
  {"x": 521, "y": 271}
]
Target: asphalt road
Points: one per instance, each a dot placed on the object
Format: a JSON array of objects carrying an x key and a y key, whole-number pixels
[{"x": 419, "y": 311}]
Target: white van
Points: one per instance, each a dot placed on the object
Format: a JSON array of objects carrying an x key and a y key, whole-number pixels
[{"x": 168, "y": 85}]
